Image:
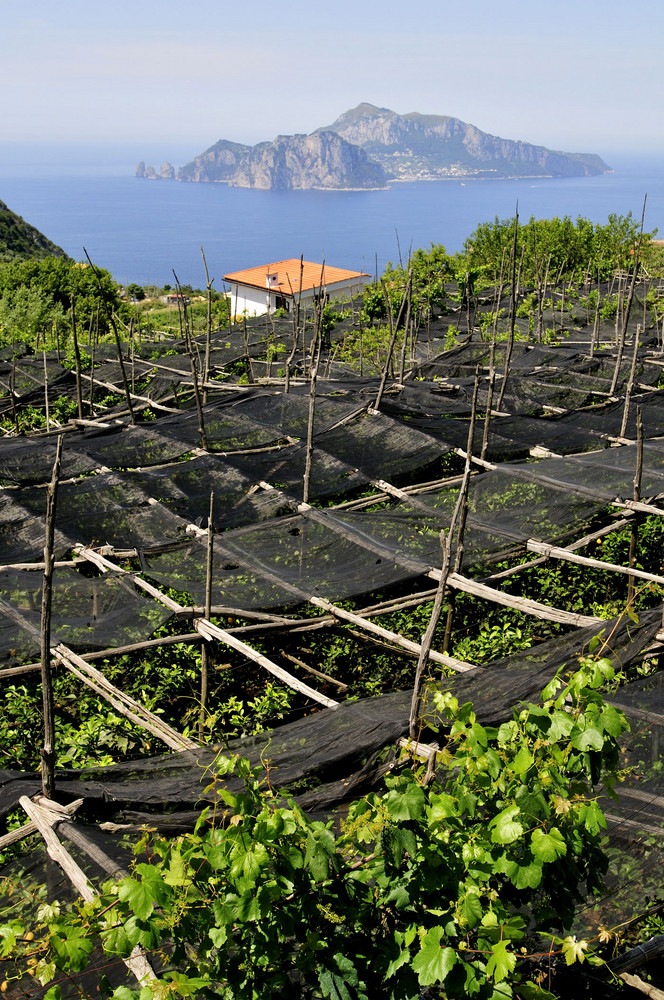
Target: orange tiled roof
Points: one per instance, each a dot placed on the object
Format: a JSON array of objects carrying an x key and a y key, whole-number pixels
[{"x": 288, "y": 276}]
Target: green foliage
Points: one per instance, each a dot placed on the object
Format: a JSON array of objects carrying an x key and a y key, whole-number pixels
[
  {"x": 429, "y": 884},
  {"x": 20, "y": 241},
  {"x": 36, "y": 294},
  {"x": 136, "y": 292},
  {"x": 567, "y": 247}
]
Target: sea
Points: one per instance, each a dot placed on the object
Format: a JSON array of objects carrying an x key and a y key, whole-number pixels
[{"x": 86, "y": 197}]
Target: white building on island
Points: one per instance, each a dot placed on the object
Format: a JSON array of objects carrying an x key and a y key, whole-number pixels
[{"x": 279, "y": 286}]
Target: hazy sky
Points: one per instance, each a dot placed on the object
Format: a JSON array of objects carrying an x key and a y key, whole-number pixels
[{"x": 578, "y": 75}]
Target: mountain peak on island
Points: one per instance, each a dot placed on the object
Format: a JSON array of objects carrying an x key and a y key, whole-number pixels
[
  {"x": 418, "y": 146},
  {"x": 368, "y": 146}
]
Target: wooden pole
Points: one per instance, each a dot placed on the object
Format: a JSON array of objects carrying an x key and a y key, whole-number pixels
[
  {"x": 510, "y": 343},
  {"x": 630, "y": 297},
  {"x": 310, "y": 434},
  {"x": 48, "y": 749},
  {"x": 46, "y": 392},
  {"x": 245, "y": 339},
  {"x": 393, "y": 336},
  {"x": 192, "y": 363},
  {"x": 77, "y": 359},
  {"x": 118, "y": 345},
  {"x": 208, "y": 324},
  {"x": 634, "y": 535},
  {"x": 630, "y": 384},
  {"x": 206, "y": 648},
  {"x": 460, "y": 512},
  {"x": 408, "y": 294},
  {"x": 427, "y": 638}
]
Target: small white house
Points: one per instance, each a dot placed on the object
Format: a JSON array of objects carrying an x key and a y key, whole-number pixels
[{"x": 279, "y": 286}]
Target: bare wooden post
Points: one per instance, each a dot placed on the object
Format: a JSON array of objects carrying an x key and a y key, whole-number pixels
[
  {"x": 489, "y": 396},
  {"x": 296, "y": 324},
  {"x": 595, "y": 334},
  {"x": 92, "y": 377},
  {"x": 634, "y": 536},
  {"x": 510, "y": 343},
  {"x": 630, "y": 297},
  {"x": 427, "y": 638},
  {"x": 206, "y": 648},
  {"x": 630, "y": 382},
  {"x": 208, "y": 326},
  {"x": 310, "y": 433},
  {"x": 77, "y": 359},
  {"x": 118, "y": 345},
  {"x": 461, "y": 510},
  {"x": 46, "y": 391},
  {"x": 393, "y": 336},
  {"x": 48, "y": 750},
  {"x": 192, "y": 362},
  {"x": 408, "y": 296},
  {"x": 245, "y": 338},
  {"x": 12, "y": 391}
]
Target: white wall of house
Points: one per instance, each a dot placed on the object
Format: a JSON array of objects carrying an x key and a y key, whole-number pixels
[
  {"x": 249, "y": 300},
  {"x": 257, "y": 301}
]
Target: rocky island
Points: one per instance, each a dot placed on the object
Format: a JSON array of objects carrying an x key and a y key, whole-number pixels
[{"x": 370, "y": 147}]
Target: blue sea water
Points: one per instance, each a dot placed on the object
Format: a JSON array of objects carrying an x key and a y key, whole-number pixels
[{"x": 143, "y": 230}]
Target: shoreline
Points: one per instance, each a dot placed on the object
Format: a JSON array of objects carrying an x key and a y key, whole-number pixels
[{"x": 459, "y": 178}]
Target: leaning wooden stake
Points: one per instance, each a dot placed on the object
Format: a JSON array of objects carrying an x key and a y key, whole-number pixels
[
  {"x": 45, "y": 817},
  {"x": 510, "y": 342},
  {"x": 427, "y": 638},
  {"x": 489, "y": 396},
  {"x": 48, "y": 749},
  {"x": 208, "y": 325},
  {"x": 192, "y": 362},
  {"x": 630, "y": 384},
  {"x": 393, "y": 336},
  {"x": 118, "y": 345},
  {"x": 310, "y": 434},
  {"x": 461, "y": 510},
  {"x": 630, "y": 297},
  {"x": 634, "y": 536},
  {"x": 408, "y": 296},
  {"x": 46, "y": 393},
  {"x": 77, "y": 359},
  {"x": 206, "y": 648}
]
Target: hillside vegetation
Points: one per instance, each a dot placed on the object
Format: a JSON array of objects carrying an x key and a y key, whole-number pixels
[{"x": 21, "y": 241}]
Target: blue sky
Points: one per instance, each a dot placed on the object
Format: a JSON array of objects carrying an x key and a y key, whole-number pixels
[{"x": 580, "y": 76}]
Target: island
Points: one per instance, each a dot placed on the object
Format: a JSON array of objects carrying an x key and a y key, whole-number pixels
[{"x": 370, "y": 147}]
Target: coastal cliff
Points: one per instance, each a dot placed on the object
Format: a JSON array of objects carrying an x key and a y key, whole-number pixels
[{"x": 321, "y": 160}]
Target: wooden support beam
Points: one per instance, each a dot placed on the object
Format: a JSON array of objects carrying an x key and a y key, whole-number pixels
[
  {"x": 122, "y": 702},
  {"x": 517, "y": 603},
  {"x": 105, "y": 564},
  {"x": 44, "y": 824},
  {"x": 553, "y": 552},
  {"x": 29, "y": 828},
  {"x": 579, "y": 544},
  {"x": 214, "y": 633},
  {"x": 45, "y": 819},
  {"x": 387, "y": 634},
  {"x": 316, "y": 673}
]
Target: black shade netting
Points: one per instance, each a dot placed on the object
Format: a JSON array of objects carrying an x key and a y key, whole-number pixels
[
  {"x": 184, "y": 489},
  {"x": 25, "y": 461},
  {"x": 88, "y": 613},
  {"x": 280, "y": 563}
]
